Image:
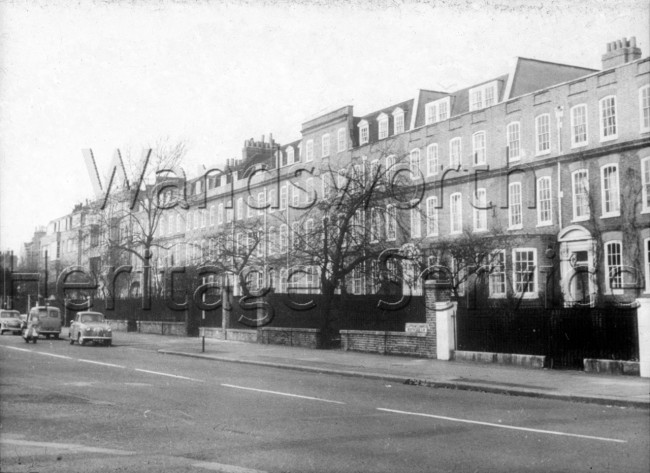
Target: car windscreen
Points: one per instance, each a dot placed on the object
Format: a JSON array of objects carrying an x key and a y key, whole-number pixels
[
  {"x": 89, "y": 318},
  {"x": 9, "y": 315}
]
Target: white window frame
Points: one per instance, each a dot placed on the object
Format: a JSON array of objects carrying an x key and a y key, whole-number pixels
[
  {"x": 646, "y": 257},
  {"x": 510, "y": 140},
  {"x": 398, "y": 121},
  {"x": 284, "y": 197},
  {"x": 609, "y": 267},
  {"x": 416, "y": 222},
  {"x": 432, "y": 159},
  {"x": 528, "y": 294},
  {"x": 391, "y": 223},
  {"x": 382, "y": 126},
  {"x": 414, "y": 163},
  {"x": 645, "y": 185},
  {"x": 494, "y": 273},
  {"x": 644, "y": 109},
  {"x": 432, "y": 221},
  {"x": 376, "y": 225},
  {"x": 290, "y": 155},
  {"x": 479, "y": 149},
  {"x": 478, "y": 96},
  {"x": 213, "y": 212},
  {"x": 437, "y": 111},
  {"x": 515, "y": 206},
  {"x": 455, "y": 161},
  {"x": 325, "y": 145},
  {"x": 541, "y": 132},
  {"x": 574, "y": 110},
  {"x": 364, "y": 132},
  {"x": 610, "y": 196},
  {"x": 455, "y": 213},
  {"x": 480, "y": 214},
  {"x": 606, "y": 135},
  {"x": 544, "y": 198},
  {"x": 309, "y": 151},
  {"x": 341, "y": 141},
  {"x": 578, "y": 199}
]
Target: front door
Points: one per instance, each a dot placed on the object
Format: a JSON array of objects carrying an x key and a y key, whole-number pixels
[{"x": 576, "y": 266}]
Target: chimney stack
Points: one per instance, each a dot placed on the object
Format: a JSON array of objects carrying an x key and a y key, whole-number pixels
[{"x": 621, "y": 52}]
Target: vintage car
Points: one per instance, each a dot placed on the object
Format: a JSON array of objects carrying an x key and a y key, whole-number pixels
[
  {"x": 90, "y": 326},
  {"x": 48, "y": 320},
  {"x": 10, "y": 322}
]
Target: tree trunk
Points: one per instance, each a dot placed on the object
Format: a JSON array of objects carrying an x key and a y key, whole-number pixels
[{"x": 328, "y": 313}]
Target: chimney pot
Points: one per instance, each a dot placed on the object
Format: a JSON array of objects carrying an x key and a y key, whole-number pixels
[
  {"x": 619, "y": 44},
  {"x": 633, "y": 41}
]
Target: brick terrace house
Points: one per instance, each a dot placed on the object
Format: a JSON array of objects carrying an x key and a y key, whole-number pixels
[{"x": 555, "y": 157}]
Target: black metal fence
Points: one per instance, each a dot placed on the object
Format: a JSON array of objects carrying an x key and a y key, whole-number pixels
[
  {"x": 350, "y": 312},
  {"x": 564, "y": 335}
]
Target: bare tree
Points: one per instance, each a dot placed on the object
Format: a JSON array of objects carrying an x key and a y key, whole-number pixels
[
  {"x": 342, "y": 225},
  {"x": 130, "y": 218}
]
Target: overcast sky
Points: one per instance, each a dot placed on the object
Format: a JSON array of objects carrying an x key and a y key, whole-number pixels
[{"x": 123, "y": 74}]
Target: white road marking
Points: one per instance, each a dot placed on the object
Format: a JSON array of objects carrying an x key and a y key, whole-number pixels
[
  {"x": 101, "y": 363},
  {"x": 502, "y": 426},
  {"x": 282, "y": 394},
  {"x": 225, "y": 468},
  {"x": 65, "y": 446},
  {"x": 16, "y": 348},
  {"x": 52, "y": 354},
  {"x": 170, "y": 375}
]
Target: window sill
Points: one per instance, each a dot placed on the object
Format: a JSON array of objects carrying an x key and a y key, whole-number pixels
[
  {"x": 516, "y": 227},
  {"x": 527, "y": 295},
  {"x": 542, "y": 153},
  {"x": 580, "y": 219},
  {"x": 545, "y": 224},
  {"x": 514, "y": 160},
  {"x": 579, "y": 145},
  {"x": 612, "y": 215},
  {"x": 645, "y": 211},
  {"x": 497, "y": 296},
  {"x": 479, "y": 230},
  {"x": 608, "y": 138}
]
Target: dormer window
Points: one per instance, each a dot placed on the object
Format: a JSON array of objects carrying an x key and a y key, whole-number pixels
[
  {"x": 437, "y": 111},
  {"x": 398, "y": 121},
  {"x": 483, "y": 96},
  {"x": 289, "y": 158},
  {"x": 364, "y": 132},
  {"x": 382, "y": 121}
]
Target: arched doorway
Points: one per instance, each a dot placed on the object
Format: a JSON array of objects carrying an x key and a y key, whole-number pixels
[{"x": 577, "y": 266}]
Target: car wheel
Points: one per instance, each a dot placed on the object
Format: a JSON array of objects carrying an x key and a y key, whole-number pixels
[
  {"x": 34, "y": 340},
  {"x": 56, "y": 336},
  {"x": 71, "y": 340},
  {"x": 108, "y": 343}
]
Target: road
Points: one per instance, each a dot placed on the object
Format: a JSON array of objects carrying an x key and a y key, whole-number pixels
[{"x": 127, "y": 408}]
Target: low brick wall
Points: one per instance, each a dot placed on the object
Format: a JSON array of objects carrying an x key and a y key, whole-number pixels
[
  {"x": 386, "y": 343},
  {"x": 211, "y": 332},
  {"x": 162, "y": 328},
  {"x": 295, "y": 337},
  {"x": 630, "y": 368},
  {"x": 234, "y": 334},
  {"x": 242, "y": 335},
  {"x": 513, "y": 359},
  {"x": 118, "y": 325}
]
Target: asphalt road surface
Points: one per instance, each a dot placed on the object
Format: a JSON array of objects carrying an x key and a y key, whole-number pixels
[{"x": 127, "y": 408}]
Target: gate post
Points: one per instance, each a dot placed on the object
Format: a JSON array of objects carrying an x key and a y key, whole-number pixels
[
  {"x": 440, "y": 317},
  {"x": 643, "y": 324}
]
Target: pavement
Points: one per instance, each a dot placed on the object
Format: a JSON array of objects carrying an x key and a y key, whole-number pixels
[{"x": 625, "y": 391}]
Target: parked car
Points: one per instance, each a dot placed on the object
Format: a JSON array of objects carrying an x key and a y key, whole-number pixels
[
  {"x": 49, "y": 320},
  {"x": 10, "y": 322},
  {"x": 90, "y": 326}
]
